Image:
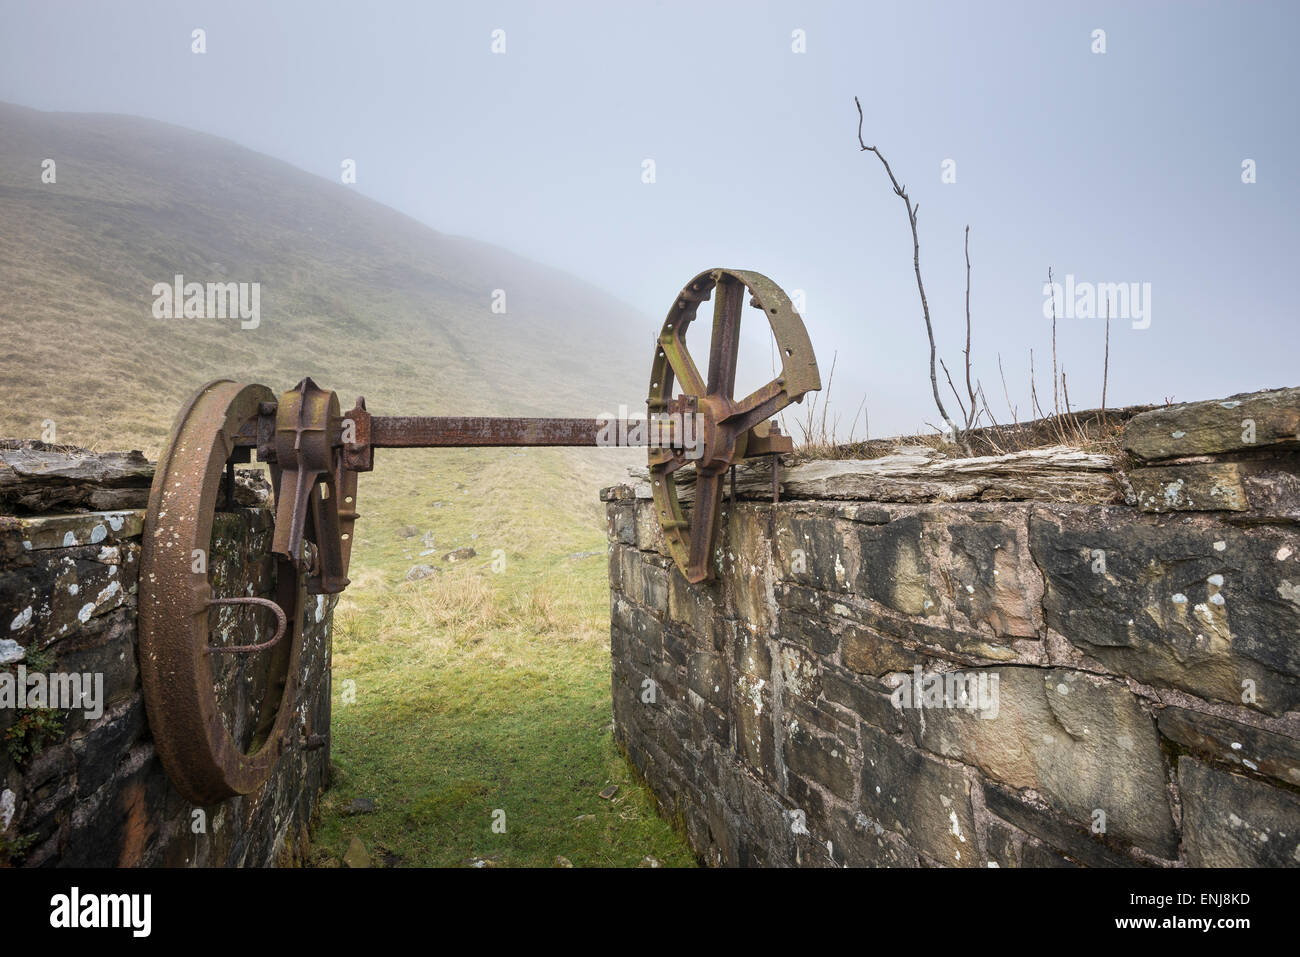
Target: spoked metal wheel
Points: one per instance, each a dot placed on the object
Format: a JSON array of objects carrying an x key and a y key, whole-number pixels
[{"x": 724, "y": 422}]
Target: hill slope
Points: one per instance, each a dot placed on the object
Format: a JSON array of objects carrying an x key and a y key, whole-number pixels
[{"x": 353, "y": 293}]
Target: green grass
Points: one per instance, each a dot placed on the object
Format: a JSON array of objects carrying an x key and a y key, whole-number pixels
[{"x": 480, "y": 690}]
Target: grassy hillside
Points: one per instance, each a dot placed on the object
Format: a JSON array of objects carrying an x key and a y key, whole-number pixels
[
  {"x": 476, "y": 689},
  {"x": 353, "y": 293}
]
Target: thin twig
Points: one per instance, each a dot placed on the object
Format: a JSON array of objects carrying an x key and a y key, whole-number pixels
[
  {"x": 1105, "y": 369},
  {"x": 826, "y": 405},
  {"x": 965, "y": 417},
  {"x": 1051, "y": 288},
  {"x": 970, "y": 391},
  {"x": 853, "y": 426},
  {"x": 1006, "y": 392},
  {"x": 987, "y": 410},
  {"x": 1034, "y": 407},
  {"x": 912, "y": 211}
]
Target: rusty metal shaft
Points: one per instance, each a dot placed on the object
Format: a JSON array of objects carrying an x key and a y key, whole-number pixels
[{"x": 434, "y": 431}]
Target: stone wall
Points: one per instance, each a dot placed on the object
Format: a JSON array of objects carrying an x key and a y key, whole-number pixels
[
  {"x": 87, "y": 789},
  {"x": 992, "y": 672}
]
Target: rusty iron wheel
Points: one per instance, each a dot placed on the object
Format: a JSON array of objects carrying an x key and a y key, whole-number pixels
[
  {"x": 724, "y": 420},
  {"x": 198, "y": 752}
]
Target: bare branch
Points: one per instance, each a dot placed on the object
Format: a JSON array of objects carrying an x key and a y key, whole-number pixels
[
  {"x": 912, "y": 211},
  {"x": 964, "y": 416},
  {"x": 1006, "y": 392},
  {"x": 1034, "y": 407},
  {"x": 1051, "y": 286},
  {"x": 970, "y": 390},
  {"x": 1105, "y": 369},
  {"x": 985, "y": 399}
]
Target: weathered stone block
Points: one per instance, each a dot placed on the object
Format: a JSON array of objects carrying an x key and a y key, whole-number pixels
[
  {"x": 1254, "y": 749},
  {"x": 1208, "y": 487},
  {"x": 707, "y": 676},
  {"x": 1273, "y": 489},
  {"x": 106, "y": 745},
  {"x": 1209, "y": 609},
  {"x": 649, "y": 534},
  {"x": 1007, "y": 847},
  {"x": 800, "y": 672},
  {"x": 1243, "y": 422},
  {"x": 751, "y": 713},
  {"x": 751, "y": 653},
  {"x": 893, "y": 566},
  {"x": 860, "y": 841},
  {"x": 809, "y": 549},
  {"x": 1232, "y": 821},
  {"x": 811, "y": 631},
  {"x": 922, "y": 799},
  {"x": 917, "y": 634},
  {"x": 1078, "y": 843},
  {"x": 866, "y": 698},
  {"x": 630, "y": 576},
  {"x": 621, "y": 517},
  {"x": 742, "y": 565},
  {"x": 1082, "y": 742},
  {"x": 698, "y": 608},
  {"x": 869, "y": 653},
  {"x": 994, "y": 583},
  {"x": 654, "y": 583},
  {"x": 819, "y": 757},
  {"x": 20, "y": 534},
  {"x": 647, "y": 635}
]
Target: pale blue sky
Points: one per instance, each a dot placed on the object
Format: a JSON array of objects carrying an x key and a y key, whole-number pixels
[{"x": 1115, "y": 167}]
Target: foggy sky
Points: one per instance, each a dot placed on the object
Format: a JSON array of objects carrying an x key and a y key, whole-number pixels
[{"x": 1122, "y": 167}]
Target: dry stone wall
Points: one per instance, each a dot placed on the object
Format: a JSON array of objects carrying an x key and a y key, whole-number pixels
[
  {"x": 1093, "y": 662},
  {"x": 84, "y": 786}
]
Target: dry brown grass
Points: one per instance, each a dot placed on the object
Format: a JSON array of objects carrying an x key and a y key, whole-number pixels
[{"x": 1093, "y": 431}]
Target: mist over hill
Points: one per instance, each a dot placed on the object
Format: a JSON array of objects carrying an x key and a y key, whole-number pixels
[{"x": 353, "y": 293}]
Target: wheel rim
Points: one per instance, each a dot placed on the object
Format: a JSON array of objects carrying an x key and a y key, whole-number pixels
[{"x": 198, "y": 752}]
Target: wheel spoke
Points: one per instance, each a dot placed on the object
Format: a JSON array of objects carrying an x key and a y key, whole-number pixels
[
  {"x": 729, "y": 299},
  {"x": 760, "y": 404},
  {"x": 704, "y": 522},
  {"x": 683, "y": 366}
]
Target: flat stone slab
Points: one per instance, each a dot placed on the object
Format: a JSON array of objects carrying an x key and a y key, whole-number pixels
[
  {"x": 67, "y": 531},
  {"x": 919, "y": 474},
  {"x": 1245, "y": 422},
  {"x": 39, "y": 477}
]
